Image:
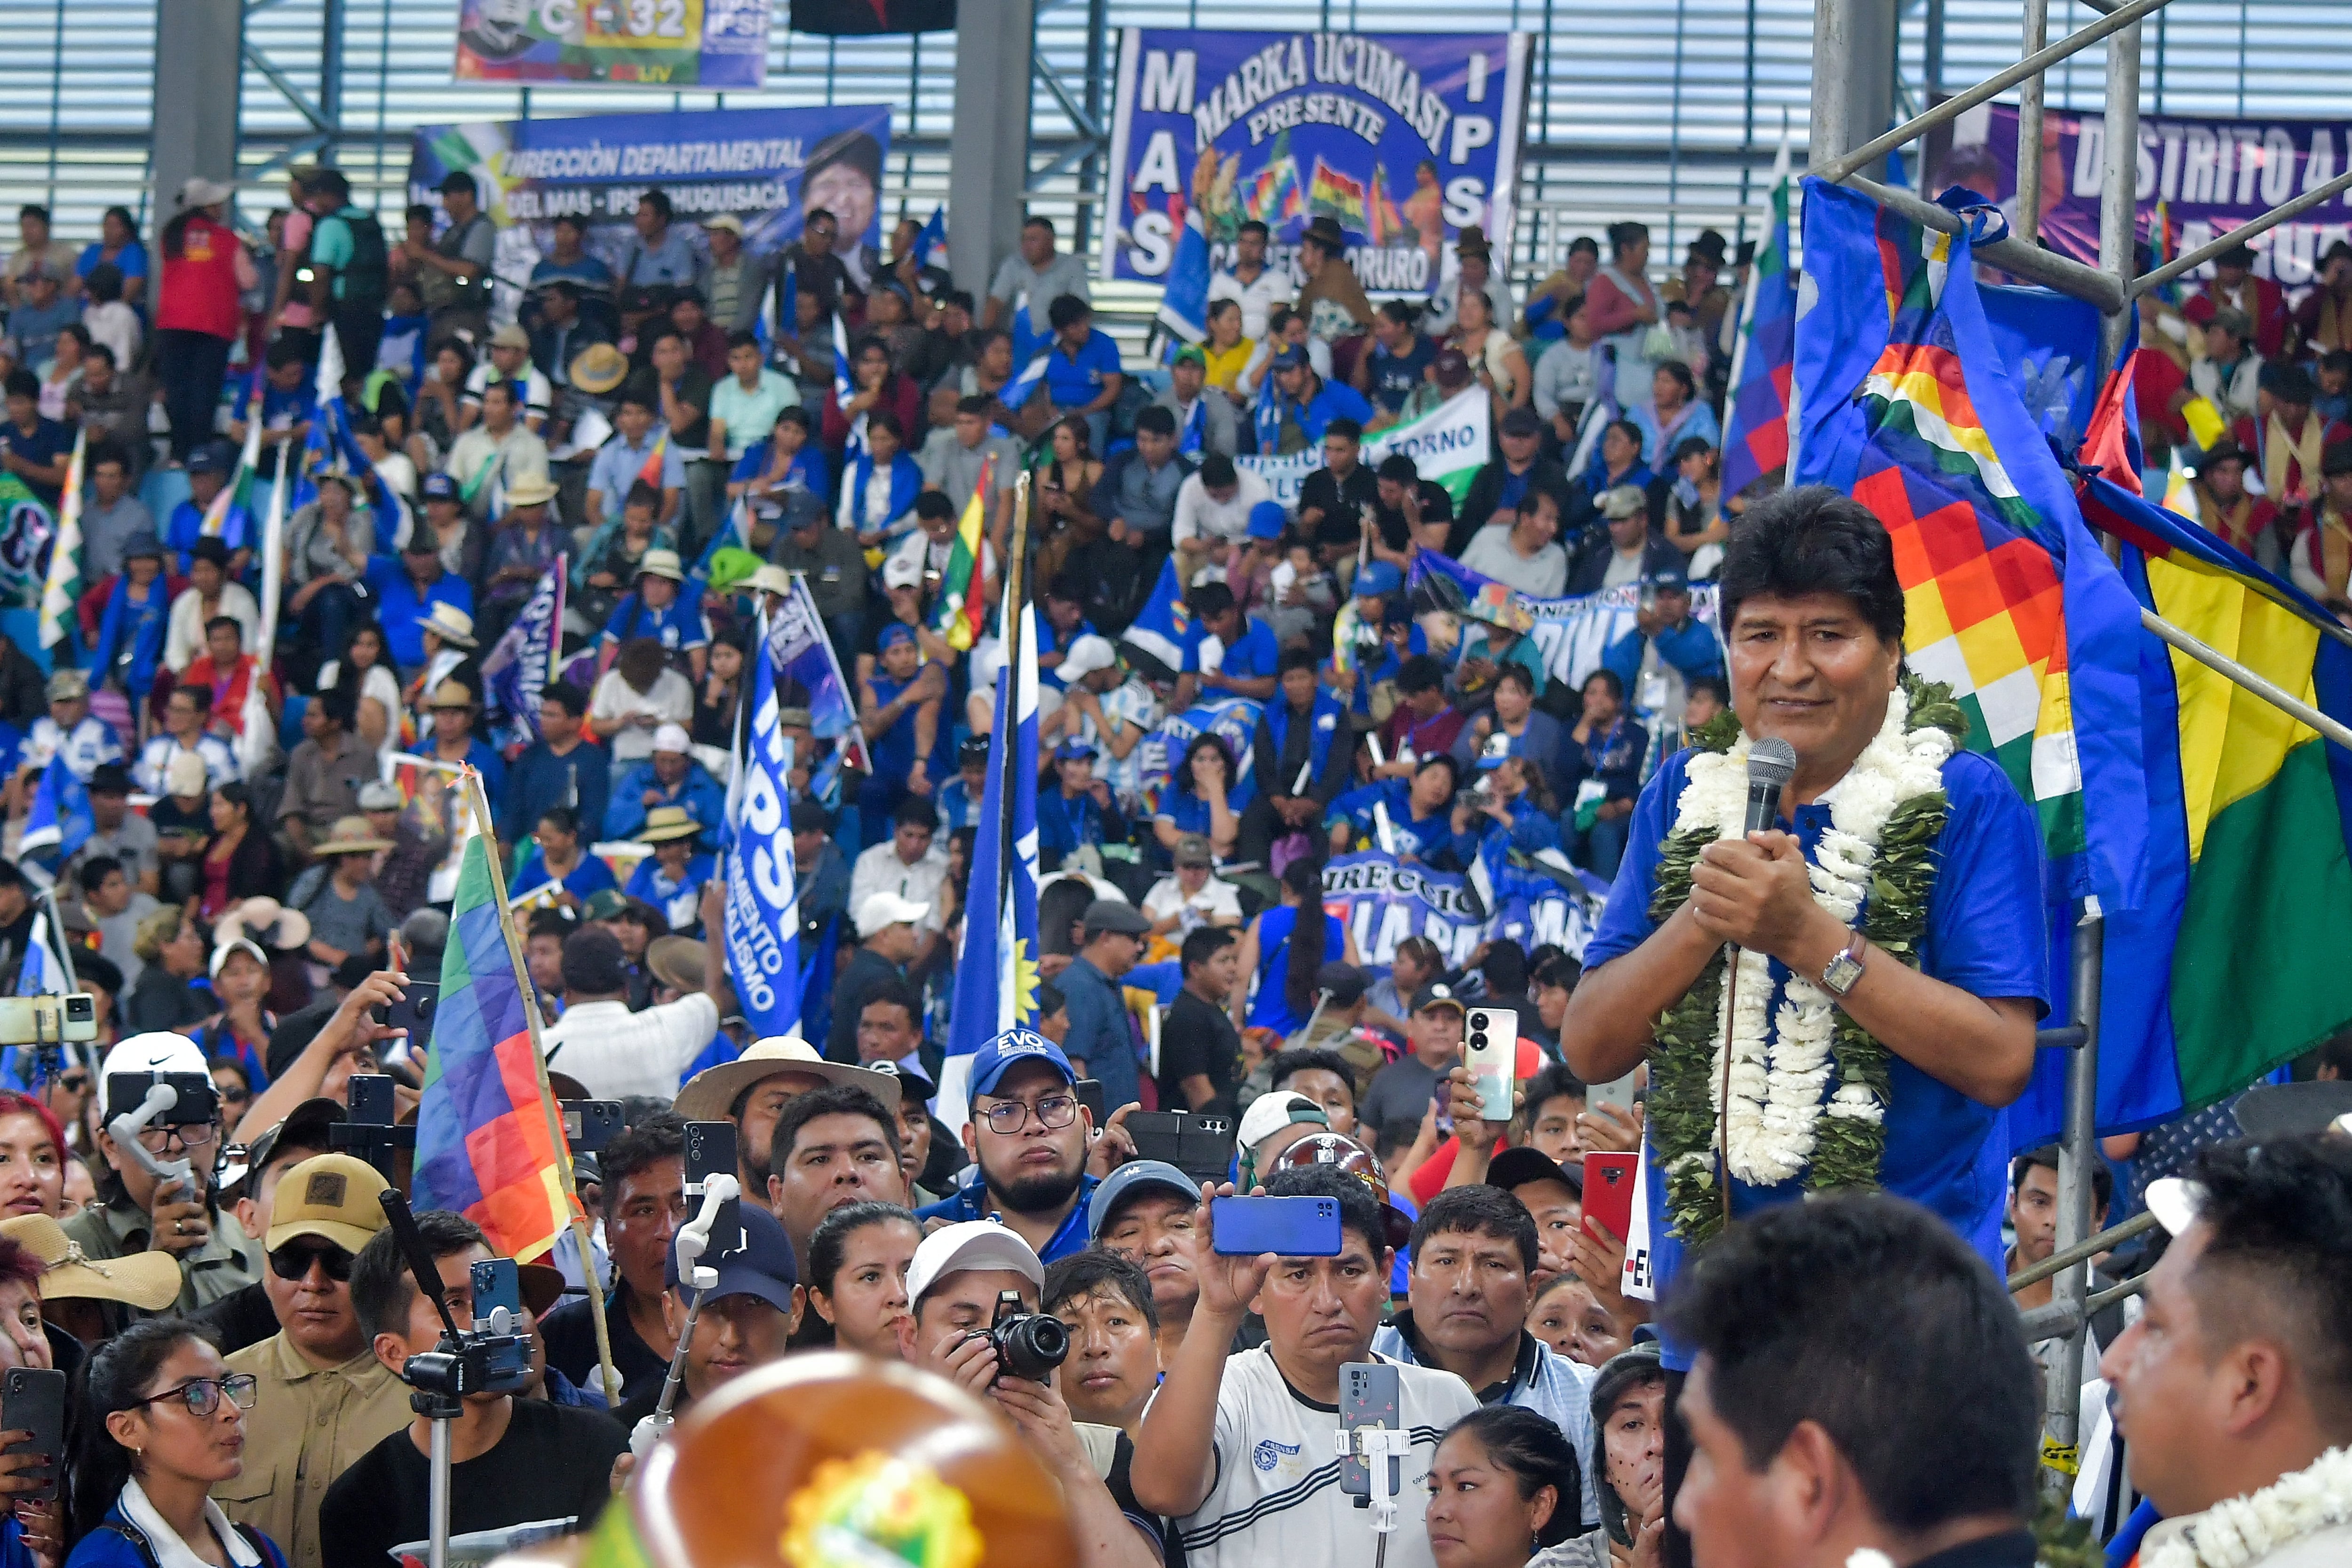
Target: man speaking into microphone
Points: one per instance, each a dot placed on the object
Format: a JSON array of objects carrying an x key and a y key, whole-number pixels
[{"x": 1872, "y": 1036}]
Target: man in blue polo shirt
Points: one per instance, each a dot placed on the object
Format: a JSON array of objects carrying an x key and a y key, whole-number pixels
[
  {"x": 1238, "y": 654},
  {"x": 662, "y": 606},
  {"x": 1299, "y": 405},
  {"x": 1028, "y": 1138},
  {"x": 1814, "y": 615},
  {"x": 1082, "y": 372},
  {"x": 409, "y": 586}
]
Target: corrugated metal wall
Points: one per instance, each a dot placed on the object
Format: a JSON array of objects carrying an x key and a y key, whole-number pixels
[{"x": 1668, "y": 113}]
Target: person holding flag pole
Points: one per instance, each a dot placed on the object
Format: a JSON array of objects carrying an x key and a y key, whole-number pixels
[{"x": 483, "y": 1148}]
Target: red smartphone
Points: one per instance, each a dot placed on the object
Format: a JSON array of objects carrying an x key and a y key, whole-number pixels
[{"x": 1609, "y": 1190}]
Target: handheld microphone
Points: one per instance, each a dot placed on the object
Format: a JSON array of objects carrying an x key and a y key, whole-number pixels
[{"x": 1771, "y": 763}]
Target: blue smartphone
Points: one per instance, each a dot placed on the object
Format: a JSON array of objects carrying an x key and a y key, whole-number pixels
[
  {"x": 497, "y": 1284},
  {"x": 1286, "y": 1227}
]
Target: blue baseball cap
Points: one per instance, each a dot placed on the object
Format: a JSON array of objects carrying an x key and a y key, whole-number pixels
[
  {"x": 1379, "y": 577},
  {"x": 212, "y": 458},
  {"x": 1123, "y": 1183},
  {"x": 439, "y": 488},
  {"x": 1074, "y": 750},
  {"x": 1267, "y": 520},
  {"x": 1009, "y": 1050},
  {"x": 890, "y": 636},
  {"x": 763, "y": 1265},
  {"x": 1290, "y": 357}
]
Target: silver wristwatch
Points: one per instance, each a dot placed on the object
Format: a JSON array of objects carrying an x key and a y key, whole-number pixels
[{"x": 1839, "y": 974}]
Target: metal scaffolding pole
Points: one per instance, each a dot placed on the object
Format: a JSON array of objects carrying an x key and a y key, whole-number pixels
[
  {"x": 2029, "y": 127},
  {"x": 2078, "y": 1158},
  {"x": 2119, "y": 191}
]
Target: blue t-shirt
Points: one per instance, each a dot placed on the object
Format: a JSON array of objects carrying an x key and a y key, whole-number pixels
[
  {"x": 1255, "y": 653},
  {"x": 130, "y": 260},
  {"x": 46, "y": 442},
  {"x": 1987, "y": 935},
  {"x": 894, "y": 749},
  {"x": 1073, "y": 380},
  {"x": 1334, "y": 400},
  {"x": 591, "y": 875},
  {"x": 676, "y": 626},
  {"x": 1270, "y": 1009},
  {"x": 1396, "y": 377},
  {"x": 808, "y": 463}
]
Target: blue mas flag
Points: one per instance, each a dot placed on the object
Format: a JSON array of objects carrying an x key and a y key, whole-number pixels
[
  {"x": 764, "y": 918},
  {"x": 61, "y": 819},
  {"x": 996, "y": 974},
  {"x": 1184, "y": 309},
  {"x": 1024, "y": 386},
  {"x": 931, "y": 244},
  {"x": 1164, "y": 627}
]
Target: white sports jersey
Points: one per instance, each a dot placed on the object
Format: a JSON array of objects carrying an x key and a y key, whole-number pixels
[{"x": 1276, "y": 1498}]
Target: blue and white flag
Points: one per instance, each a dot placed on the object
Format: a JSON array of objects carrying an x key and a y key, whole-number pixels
[
  {"x": 1184, "y": 309},
  {"x": 523, "y": 661},
  {"x": 42, "y": 972},
  {"x": 1194, "y": 431},
  {"x": 1024, "y": 386},
  {"x": 61, "y": 820},
  {"x": 844, "y": 387},
  {"x": 997, "y": 974},
  {"x": 1164, "y": 627},
  {"x": 764, "y": 919},
  {"x": 931, "y": 244}
]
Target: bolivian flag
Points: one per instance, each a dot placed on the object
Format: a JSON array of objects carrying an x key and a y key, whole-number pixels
[
  {"x": 961, "y": 607},
  {"x": 2250, "y": 809}
]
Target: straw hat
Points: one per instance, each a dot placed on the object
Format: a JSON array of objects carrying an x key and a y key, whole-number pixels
[
  {"x": 598, "y": 368},
  {"x": 450, "y": 623},
  {"x": 677, "y": 962},
  {"x": 350, "y": 837},
  {"x": 530, "y": 490},
  {"x": 452, "y": 694},
  {"x": 266, "y": 923},
  {"x": 148, "y": 1280},
  {"x": 708, "y": 1094},
  {"x": 773, "y": 579},
  {"x": 661, "y": 563},
  {"x": 666, "y": 822}
]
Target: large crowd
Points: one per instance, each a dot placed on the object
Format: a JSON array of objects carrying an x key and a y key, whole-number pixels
[{"x": 268, "y": 857}]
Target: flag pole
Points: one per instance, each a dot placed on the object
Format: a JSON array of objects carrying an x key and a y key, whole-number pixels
[
  {"x": 478, "y": 801},
  {"x": 1008, "y": 690}
]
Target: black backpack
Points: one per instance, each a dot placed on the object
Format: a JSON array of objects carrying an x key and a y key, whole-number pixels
[{"x": 367, "y": 277}]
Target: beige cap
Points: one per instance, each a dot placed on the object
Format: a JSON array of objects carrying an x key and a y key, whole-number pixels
[
  {"x": 661, "y": 563},
  {"x": 510, "y": 337},
  {"x": 727, "y": 221},
  {"x": 530, "y": 490},
  {"x": 335, "y": 1197}
]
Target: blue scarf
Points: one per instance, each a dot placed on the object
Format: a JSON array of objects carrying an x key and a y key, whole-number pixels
[
  {"x": 906, "y": 482},
  {"x": 132, "y": 634},
  {"x": 1196, "y": 425},
  {"x": 1267, "y": 415},
  {"x": 1327, "y": 717}
]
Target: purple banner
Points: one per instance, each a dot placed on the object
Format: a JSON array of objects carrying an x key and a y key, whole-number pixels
[{"x": 2209, "y": 175}]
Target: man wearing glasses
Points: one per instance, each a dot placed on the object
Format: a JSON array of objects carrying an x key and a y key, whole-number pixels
[
  {"x": 138, "y": 1213},
  {"x": 329, "y": 1399},
  {"x": 1028, "y": 1138}
]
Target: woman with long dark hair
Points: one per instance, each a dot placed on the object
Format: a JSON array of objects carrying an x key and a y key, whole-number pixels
[
  {"x": 1283, "y": 948},
  {"x": 240, "y": 862},
  {"x": 1503, "y": 1486},
  {"x": 1203, "y": 798},
  {"x": 857, "y": 1266},
  {"x": 159, "y": 1421},
  {"x": 198, "y": 313}
]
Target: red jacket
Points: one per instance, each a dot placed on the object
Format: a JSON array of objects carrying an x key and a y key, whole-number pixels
[{"x": 2269, "y": 314}]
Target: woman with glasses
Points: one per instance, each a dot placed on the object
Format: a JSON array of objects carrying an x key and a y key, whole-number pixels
[{"x": 159, "y": 1422}]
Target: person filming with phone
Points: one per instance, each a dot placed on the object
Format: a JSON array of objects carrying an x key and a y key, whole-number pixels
[{"x": 139, "y": 1211}]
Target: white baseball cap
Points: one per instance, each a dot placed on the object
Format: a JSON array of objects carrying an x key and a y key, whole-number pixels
[
  {"x": 902, "y": 571},
  {"x": 2174, "y": 1201},
  {"x": 672, "y": 737},
  {"x": 157, "y": 1051},
  {"x": 1086, "y": 656},
  {"x": 887, "y": 908},
  {"x": 1269, "y": 1113},
  {"x": 971, "y": 1244}
]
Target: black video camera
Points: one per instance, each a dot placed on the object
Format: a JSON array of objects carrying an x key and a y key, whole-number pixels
[
  {"x": 1028, "y": 1344},
  {"x": 466, "y": 1362}
]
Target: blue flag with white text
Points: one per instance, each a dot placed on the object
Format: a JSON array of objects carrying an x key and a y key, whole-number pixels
[{"x": 764, "y": 918}]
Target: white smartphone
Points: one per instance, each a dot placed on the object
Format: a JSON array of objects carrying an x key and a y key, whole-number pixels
[
  {"x": 1617, "y": 1092},
  {"x": 1490, "y": 1049}
]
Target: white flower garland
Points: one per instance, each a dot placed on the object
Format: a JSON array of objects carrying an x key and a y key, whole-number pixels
[
  {"x": 2244, "y": 1530},
  {"x": 1778, "y": 1075}
]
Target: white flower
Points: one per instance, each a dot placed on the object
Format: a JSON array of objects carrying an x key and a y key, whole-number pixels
[{"x": 2242, "y": 1530}]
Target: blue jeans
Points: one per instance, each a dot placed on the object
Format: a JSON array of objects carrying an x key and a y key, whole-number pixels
[{"x": 1598, "y": 849}]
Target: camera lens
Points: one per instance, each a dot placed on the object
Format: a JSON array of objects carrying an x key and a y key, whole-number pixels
[
  {"x": 1477, "y": 1043},
  {"x": 1031, "y": 1346}
]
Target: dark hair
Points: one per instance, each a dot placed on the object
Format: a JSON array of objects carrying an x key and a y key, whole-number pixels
[
  {"x": 92, "y": 874},
  {"x": 338, "y": 702},
  {"x": 1060, "y": 907},
  {"x": 1681, "y": 373},
  {"x": 1360, "y": 1211},
  {"x": 1287, "y": 1065},
  {"x": 1519, "y": 675},
  {"x": 1253, "y": 227},
  {"x": 916, "y": 811},
  {"x": 1207, "y": 598},
  {"x": 2278, "y": 1257},
  {"x": 1531, "y": 1449},
  {"x": 381, "y": 1287},
  {"x": 1153, "y": 417},
  {"x": 885, "y": 419},
  {"x": 1420, "y": 673},
  {"x": 1296, "y": 658},
  {"x": 1202, "y": 945},
  {"x": 975, "y": 405},
  {"x": 115, "y": 1377},
  {"x": 1067, "y": 310},
  {"x": 2103, "y": 1180},
  {"x": 1838, "y": 1311},
  {"x": 660, "y": 203},
  {"x": 565, "y": 695},
  {"x": 21, "y": 383},
  {"x": 1403, "y": 312},
  {"x": 1050, "y": 1000},
  {"x": 1479, "y": 1210},
  {"x": 831, "y": 1100},
  {"x": 1038, "y": 223},
  {"x": 1207, "y": 738},
  {"x": 897, "y": 993},
  {"x": 562, "y": 819},
  {"x": 638, "y": 1148},
  {"x": 1217, "y": 471},
  {"x": 831, "y": 1238},
  {"x": 1552, "y": 1081},
  {"x": 641, "y": 493},
  {"x": 1303, "y": 880},
  {"x": 1346, "y": 428},
  {"x": 1812, "y": 539},
  {"x": 1610, "y": 678},
  {"x": 1714, "y": 686},
  {"x": 1084, "y": 1273},
  {"x": 794, "y": 415}
]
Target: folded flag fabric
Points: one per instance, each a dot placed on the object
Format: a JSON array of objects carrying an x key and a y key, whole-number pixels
[
  {"x": 483, "y": 1142},
  {"x": 61, "y": 587},
  {"x": 961, "y": 610},
  {"x": 60, "y": 821},
  {"x": 1763, "y": 362},
  {"x": 1184, "y": 304}
]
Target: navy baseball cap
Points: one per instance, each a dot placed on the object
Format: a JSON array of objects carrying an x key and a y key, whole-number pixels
[
  {"x": 1126, "y": 1181},
  {"x": 1009, "y": 1050},
  {"x": 762, "y": 1267},
  {"x": 1670, "y": 581},
  {"x": 212, "y": 458},
  {"x": 440, "y": 488},
  {"x": 1074, "y": 750},
  {"x": 1290, "y": 357}
]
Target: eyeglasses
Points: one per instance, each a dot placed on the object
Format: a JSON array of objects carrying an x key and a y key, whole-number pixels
[
  {"x": 74, "y": 1082},
  {"x": 179, "y": 1140},
  {"x": 293, "y": 1263},
  {"x": 1055, "y": 1111},
  {"x": 202, "y": 1395}
]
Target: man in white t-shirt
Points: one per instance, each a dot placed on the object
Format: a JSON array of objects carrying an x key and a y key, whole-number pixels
[
  {"x": 1180, "y": 905},
  {"x": 1212, "y": 512},
  {"x": 1111, "y": 709},
  {"x": 509, "y": 360},
  {"x": 614, "y": 1052},
  {"x": 1242, "y": 1450},
  {"x": 1257, "y": 288}
]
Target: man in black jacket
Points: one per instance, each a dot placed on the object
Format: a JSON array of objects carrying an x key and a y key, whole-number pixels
[
  {"x": 1502, "y": 487},
  {"x": 1304, "y": 748}
]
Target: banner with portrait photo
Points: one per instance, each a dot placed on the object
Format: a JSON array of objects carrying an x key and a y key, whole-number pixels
[
  {"x": 1401, "y": 139},
  {"x": 766, "y": 166},
  {"x": 707, "y": 44},
  {"x": 2206, "y": 176}
]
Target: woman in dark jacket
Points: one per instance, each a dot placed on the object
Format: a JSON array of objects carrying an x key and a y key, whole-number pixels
[{"x": 240, "y": 862}]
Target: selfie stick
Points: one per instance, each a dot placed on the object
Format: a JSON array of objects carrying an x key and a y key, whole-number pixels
[
  {"x": 693, "y": 1240},
  {"x": 1376, "y": 1446},
  {"x": 125, "y": 1129},
  {"x": 1381, "y": 808}
]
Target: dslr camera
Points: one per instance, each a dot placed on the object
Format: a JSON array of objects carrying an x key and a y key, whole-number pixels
[{"x": 1028, "y": 1344}]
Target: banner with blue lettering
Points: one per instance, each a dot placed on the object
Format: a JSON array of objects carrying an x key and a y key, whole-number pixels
[
  {"x": 1383, "y": 899},
  {"x": 1401, "y": 139},
  {"x": 763, "y": 926},
  {"x": 1573, "y": 634},
  {"x": 761, "y": 164}
]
